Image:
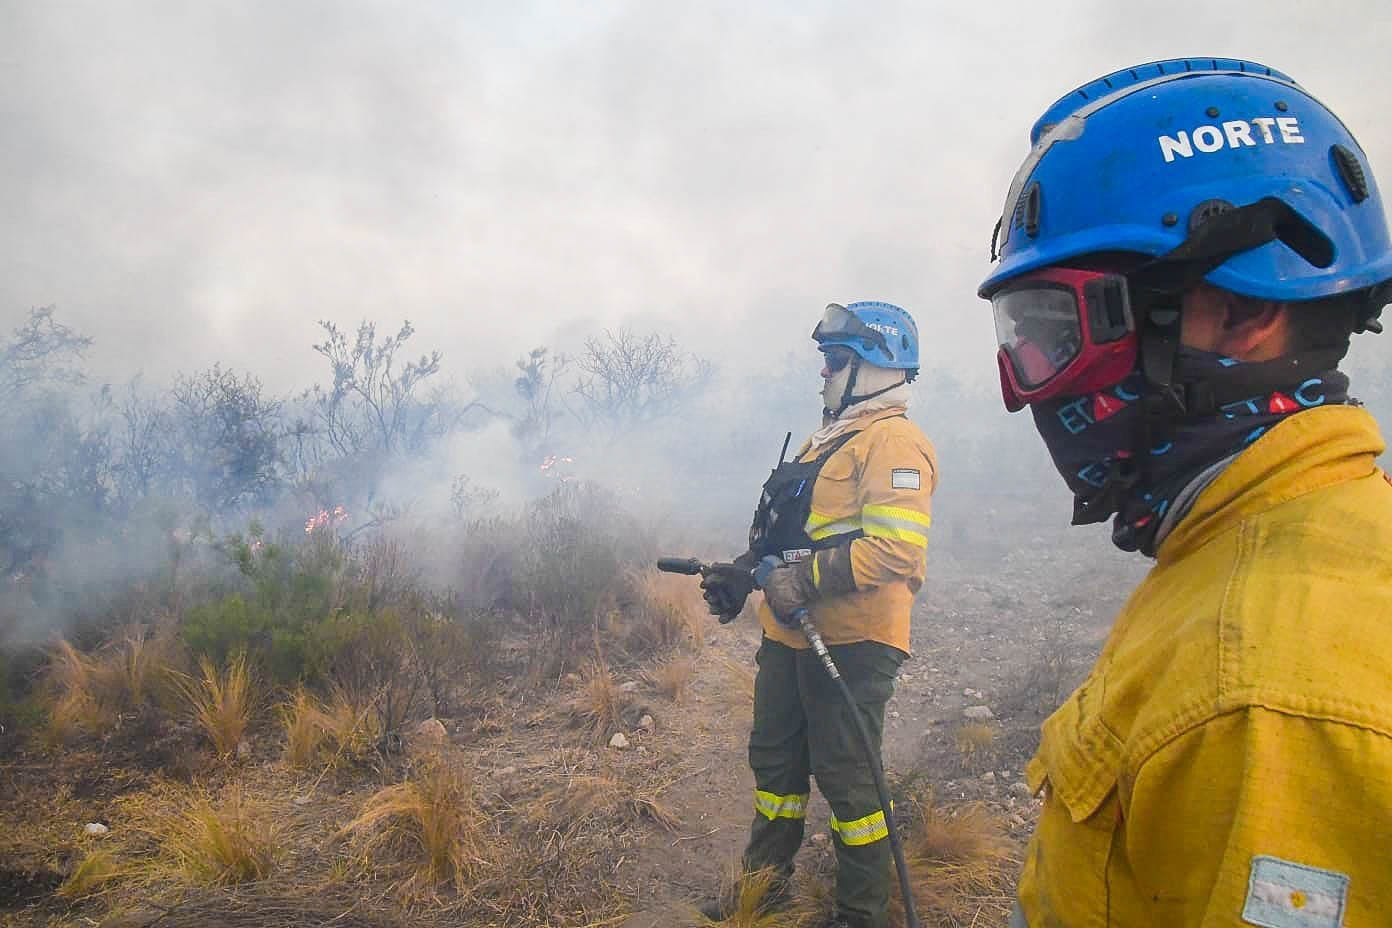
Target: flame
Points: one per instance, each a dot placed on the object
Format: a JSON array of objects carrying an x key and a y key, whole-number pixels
[
  {"x": 324, "y": 518},
  {"x": 552, "y": 461}
]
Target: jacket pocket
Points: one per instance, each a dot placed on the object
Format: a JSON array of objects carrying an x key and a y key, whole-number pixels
[{"x": 1078, "y": 766}]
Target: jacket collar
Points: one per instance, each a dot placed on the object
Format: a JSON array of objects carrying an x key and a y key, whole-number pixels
[
  {"x": 851, "y": 421},
  {"x": 1306, "y": 452}
]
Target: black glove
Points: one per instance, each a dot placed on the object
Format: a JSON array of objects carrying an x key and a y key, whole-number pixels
[{"x": 725, "y": 587}]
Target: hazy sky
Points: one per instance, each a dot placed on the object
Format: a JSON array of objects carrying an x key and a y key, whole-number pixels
[{"x": 195, "y": 182}]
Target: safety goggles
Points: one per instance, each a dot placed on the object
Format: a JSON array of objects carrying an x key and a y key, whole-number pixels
[
  {"x": 839, "y": 324},
  {"x": 837, "y": 357},
  {"x": 1062, "y": 332}
]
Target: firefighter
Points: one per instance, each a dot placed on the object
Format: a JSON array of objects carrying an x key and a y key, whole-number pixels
[
  {"x": 1182, "y": 260},
  {"x": 846, "y": 521}
]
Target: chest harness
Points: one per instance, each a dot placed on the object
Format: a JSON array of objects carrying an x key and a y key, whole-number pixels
[{"x": 780, "y": 521}]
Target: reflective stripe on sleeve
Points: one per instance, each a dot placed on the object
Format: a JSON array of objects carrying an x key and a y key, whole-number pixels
[
  {"x": 772, "y": 805},
  {"x": 821, "y": 526},
  {"x": 865, "y": 830},
  {"x": 897, "y": 523}
]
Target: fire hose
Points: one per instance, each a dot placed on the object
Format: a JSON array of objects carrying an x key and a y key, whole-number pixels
[{"x": 693, "y": 567}]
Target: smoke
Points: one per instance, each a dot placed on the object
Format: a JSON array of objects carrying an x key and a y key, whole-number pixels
[{"x": 202, "y": 186}]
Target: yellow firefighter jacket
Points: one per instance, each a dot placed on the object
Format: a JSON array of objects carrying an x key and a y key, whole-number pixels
[
  {"x": 1228, "y": 760},
  {"x": 880, "y": 482}
]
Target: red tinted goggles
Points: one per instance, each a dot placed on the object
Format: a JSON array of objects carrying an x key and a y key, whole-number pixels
[{"x": 1062, "y": 332}]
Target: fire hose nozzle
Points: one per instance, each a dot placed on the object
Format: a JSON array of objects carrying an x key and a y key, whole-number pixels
[{"x": 689, "y": 566}]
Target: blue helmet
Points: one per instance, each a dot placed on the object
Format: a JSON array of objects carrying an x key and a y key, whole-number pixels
[
  {"x": 1135, "y": 161},
  {"x": 881, "y": 334}
]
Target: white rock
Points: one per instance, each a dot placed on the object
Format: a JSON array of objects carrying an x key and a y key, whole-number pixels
[
  {"x": 978, "y": 713},
  {"x": 646, "y": 723},
  {"x": 969, "y": 692},
  {"x": 906, "y": 678},
  {"x": 95, "y": 830},
  {"x": 1021, "y": 789},
  {"x": 1017, "y": 822},
  {"x": 988, "y": 777},
  {"x": 894, "y": 714},
  {"x": 618, "y": 742},
  {"x": 629, "y": 687}
]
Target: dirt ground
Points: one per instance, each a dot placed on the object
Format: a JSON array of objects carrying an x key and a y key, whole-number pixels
[
  {"x": 1015, "y": 638},
  {"x": 1010, "y": 629}
]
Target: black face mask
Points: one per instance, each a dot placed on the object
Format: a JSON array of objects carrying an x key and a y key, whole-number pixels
[{"x": 1091, "y": 439}]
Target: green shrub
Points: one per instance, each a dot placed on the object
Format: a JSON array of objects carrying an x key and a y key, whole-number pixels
[
  {"x": 368, "y": 657},
  {"x": 577, "y": 544},
  {"x": 284, "y": 592}
]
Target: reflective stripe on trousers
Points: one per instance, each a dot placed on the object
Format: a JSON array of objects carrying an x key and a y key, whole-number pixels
[
  {"x": 772, "y": 805},
  {"x": 862, "y": 831}
]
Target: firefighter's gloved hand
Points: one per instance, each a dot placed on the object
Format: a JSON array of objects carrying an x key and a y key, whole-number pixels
[
  {"x": 787, "y": 589},
  {"x": 725, "y": 587}
]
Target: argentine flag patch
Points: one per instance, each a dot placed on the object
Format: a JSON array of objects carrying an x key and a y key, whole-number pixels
[{"x": 1282, "y": 894}]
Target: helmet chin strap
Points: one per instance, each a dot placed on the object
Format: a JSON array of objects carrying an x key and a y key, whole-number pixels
[{"x": 848, "y": 397}]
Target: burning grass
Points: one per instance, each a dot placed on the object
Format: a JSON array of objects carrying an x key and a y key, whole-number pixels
[
  {"x": 222, "y": 703},
  {"x": 429, "y": 832}
]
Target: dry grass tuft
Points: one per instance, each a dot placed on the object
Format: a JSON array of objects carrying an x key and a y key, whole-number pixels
[
  {"x": 306, "y": 729},
  {"x": 93, "y": 690},
  {"x": 222, "y": 703},
  {"x": 751, "y": 909},
  {"x": 329, "y": 733},
  {"x": 264, "y": 906},
  {"x": 975, "y": 740},
  {"x": 221, "y": 844},
  {"x": 353, "y": 728},
  {"x": 605, "y": 798},
  {"x": 429, "y": 829},
  {"x": 672, "y": 677},
  {"x": 96, "y": 870},
  {"x": 670, "y": 613},
  {"x": 961, "y": 863},
  {"x": 600, "y": 705}
]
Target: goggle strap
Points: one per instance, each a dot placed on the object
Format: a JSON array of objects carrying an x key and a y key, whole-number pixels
[{"x": 1228, "y": 233}]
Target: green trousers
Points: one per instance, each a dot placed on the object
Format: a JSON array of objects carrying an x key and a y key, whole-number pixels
[{"x": 802, "y": 727}]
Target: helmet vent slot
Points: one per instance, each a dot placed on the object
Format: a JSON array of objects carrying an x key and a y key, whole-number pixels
[
  {"x": 1027, "y": 210},
  {"x": 1350, "y": 172}
]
